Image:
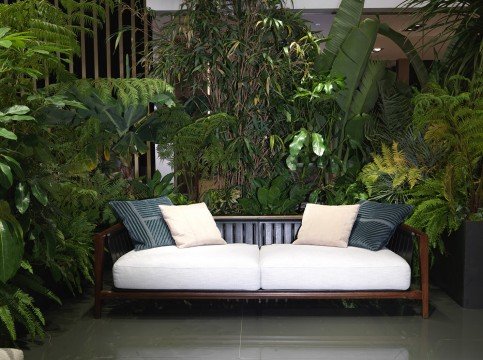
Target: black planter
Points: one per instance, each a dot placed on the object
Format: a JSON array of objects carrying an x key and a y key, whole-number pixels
[{"x": 460, "y": 271}]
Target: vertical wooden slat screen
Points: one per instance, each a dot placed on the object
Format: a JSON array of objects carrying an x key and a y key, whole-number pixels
[
  {"x": 133, "y": 71},
  {"x": 107, "y": 26},
  {"x": 149, "y": 157},
  {"x": 121, "y": 42},
  {"x": 71, "y": 58},
  {"x": 133, "y": 41},
  {"x": 95, "y": 36},
  {"x": 83, "y": 48},
  {"x": 97, "y": 58}
]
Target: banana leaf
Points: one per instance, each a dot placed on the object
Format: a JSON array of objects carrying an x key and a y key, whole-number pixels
[
  {"x": 351, "y": 61},
  {"x": 405, "y": 44},
  {"x": 347, "y": 17},
  {"x": 367, "y": 94}
]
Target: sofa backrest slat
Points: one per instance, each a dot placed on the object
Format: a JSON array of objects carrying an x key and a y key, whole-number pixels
[{"x": 259, "y": 230}]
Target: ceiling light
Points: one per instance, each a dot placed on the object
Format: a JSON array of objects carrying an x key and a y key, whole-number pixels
[
  {"x": 415, "y": 27},
  {"x": 377, "y": 49}
]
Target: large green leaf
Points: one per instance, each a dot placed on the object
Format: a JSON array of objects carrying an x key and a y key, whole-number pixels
[
  {"x": 352, "y": 59},
  {"x": 355, "y": 129},
  {"x": 7, "y": 134},
  {"x": 318, "y": 144},
  {"x": 17, "y": 110},
  {"x": 11, "y": 243},
  {"x": 262, "y": 196},
  {"x": 39, "y": 194},
  {"x": 22, "y": 198},
  {"x": 367, "y": 94},
  {"x": 291, "y": 162},
  {"x": 298, "y": 142},
  {"x": 405, "y": 44},
  {"x": 6, "y": 177},
  {"x": 274, "y": 194},
  {"x": 347, "y": 17},
  {"x": 129, "y": 144},
  {"x": 14, "y": 165}
]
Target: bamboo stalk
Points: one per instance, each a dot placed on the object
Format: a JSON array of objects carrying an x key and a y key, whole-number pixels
[
  {"x": 121, "y": 42},
  {"x": 83, "y": 46},
  {"x": 96, "y": 45},
  {"x": 133, "y": 40}
]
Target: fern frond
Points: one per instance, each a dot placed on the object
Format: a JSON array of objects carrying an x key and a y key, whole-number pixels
[{"x": 8, "y": 321}]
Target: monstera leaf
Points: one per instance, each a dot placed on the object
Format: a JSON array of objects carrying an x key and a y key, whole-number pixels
[{"x": 130, "y": 144}]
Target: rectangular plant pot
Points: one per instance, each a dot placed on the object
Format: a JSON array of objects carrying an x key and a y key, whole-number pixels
[{"x": 460, "y": 271}]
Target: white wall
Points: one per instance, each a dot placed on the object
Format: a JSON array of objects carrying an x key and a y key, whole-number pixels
[
  {"x": 170, "y": 5},
  {"x": 162, "y": 165}
]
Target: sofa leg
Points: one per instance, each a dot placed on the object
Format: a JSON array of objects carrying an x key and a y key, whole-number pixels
[
  {"x": 97, "y": 307},
  {"x": 425, "y": 307}
]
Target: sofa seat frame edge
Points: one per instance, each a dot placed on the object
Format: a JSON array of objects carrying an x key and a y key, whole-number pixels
[{"x": 101, "y": 294}]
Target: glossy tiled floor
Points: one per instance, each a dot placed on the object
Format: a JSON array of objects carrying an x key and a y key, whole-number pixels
[{"x": 237, "y": 330}]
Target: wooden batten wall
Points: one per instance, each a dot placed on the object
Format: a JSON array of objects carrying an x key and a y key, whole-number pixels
[{"x": 100, "y": 58}]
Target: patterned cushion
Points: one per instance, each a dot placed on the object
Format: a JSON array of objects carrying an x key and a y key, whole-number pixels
[
  {"x": 376, "y": 223},
  {"x": 144, "y": 222}
]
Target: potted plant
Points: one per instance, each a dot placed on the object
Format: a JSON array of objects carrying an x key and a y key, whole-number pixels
[
  {"x": 437, "y": 166},
  {"x": 449, "y": 202}
]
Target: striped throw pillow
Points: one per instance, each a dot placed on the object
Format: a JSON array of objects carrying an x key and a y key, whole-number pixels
[
  {"x": 376, "y": 223},
  {"x": 144, "y": 222}
]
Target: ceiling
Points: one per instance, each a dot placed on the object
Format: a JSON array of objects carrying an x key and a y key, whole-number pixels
[
  {"x": 326, "y": 5},
  {"x": 320, "y": 14},
  {"x": 321, "y": 22}
]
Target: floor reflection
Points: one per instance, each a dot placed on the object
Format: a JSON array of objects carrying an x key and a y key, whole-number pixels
[{"x": 273, "y": 330}]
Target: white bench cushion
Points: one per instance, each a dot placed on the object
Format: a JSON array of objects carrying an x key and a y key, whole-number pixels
[
  {"x": 309, "y": 267},
  {"x": 210, "y": 267}
]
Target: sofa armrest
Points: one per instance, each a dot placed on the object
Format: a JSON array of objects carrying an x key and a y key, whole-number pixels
[
  {"x": 117, "y": 242},
  {"x": 403, "y": 239}
]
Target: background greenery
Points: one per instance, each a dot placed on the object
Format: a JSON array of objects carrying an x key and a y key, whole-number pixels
[
  {"x": 262, "y": 123},
  {"x": 65, "y": 151}
]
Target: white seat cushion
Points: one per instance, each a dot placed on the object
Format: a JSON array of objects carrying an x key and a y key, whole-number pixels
[
  {"x": 309, "y": 267},
  {"x": 210, "y": 267}
]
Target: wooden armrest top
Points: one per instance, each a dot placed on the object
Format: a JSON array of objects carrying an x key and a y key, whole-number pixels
[
  {"x": 415, "y": 231},
  {"x": 110, "y": 230}
]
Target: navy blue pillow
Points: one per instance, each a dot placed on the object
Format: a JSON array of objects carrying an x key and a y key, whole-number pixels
[
  {"x": 376, "y": 223},
  {"x": 144, "y": 222}
]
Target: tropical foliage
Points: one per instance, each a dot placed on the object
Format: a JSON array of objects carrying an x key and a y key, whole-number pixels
[
  {"x": 62, "y": 152},
  {"x": 240, "y": 58},
  {"x": 263, "y": 122},
  {"x": 442, "y": 174},
  {"x": 277, "y": 196},
  {"x": 457, "y": 24}
]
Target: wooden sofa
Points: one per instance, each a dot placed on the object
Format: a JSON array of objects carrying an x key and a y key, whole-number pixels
[{"x": 258, "y": 230}]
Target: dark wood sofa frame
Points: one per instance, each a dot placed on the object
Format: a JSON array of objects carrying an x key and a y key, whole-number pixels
[{"x": 260, "y": 230}]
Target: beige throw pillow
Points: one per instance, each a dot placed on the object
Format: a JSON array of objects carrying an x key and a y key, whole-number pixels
[
  {"x": 191, "y": 225},
  {"x": 327, "y": 225}
]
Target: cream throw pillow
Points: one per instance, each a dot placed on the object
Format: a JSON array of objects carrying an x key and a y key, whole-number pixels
[
  {"x": 191, "y": 225},
  {"x": 327, "y": 225}
]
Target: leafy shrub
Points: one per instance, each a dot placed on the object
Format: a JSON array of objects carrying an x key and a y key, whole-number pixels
[
  {"x": 274, "y": 197},
  {"x": 441, "y": 175}
]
